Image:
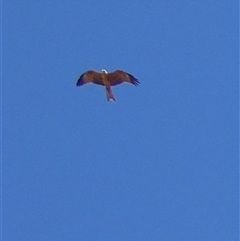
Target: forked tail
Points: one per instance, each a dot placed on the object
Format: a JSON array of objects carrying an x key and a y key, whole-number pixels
[{"x": 109, "y": 93}]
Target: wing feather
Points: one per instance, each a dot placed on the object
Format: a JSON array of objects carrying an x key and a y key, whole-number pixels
[
  {"x": 90, "y": 76},
  {"x": 117, "y": 77}
]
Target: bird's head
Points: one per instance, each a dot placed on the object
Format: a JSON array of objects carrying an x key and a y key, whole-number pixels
[{"x": 104, "y": 71}]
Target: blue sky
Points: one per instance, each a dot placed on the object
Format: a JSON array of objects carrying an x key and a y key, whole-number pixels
[{"x": 160, "y": 163}]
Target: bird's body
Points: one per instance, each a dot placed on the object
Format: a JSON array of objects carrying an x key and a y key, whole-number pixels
[{"x": 107, "y": 79}]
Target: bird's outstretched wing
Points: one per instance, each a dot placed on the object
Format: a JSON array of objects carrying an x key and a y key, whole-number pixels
[
  {"x": 117, "y": 77},
  {"x": 90, "y": 76}
]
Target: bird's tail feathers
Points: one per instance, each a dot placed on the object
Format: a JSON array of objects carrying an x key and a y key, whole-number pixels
[{"x": 109, "y": 94}]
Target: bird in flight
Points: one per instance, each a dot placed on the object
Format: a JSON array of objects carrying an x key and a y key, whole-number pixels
[{"x": 107, "y": 79}]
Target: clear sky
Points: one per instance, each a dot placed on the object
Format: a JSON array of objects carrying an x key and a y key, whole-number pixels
[{"x": 160, "y": 163}]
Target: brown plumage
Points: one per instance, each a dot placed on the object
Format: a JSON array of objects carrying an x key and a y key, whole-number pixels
[{"x": 107, "y": 79}]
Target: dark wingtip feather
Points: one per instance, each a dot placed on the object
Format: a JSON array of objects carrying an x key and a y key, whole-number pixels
[
  {"x": 79, "y": 81},
  {"x": 134, "y": 80}
]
